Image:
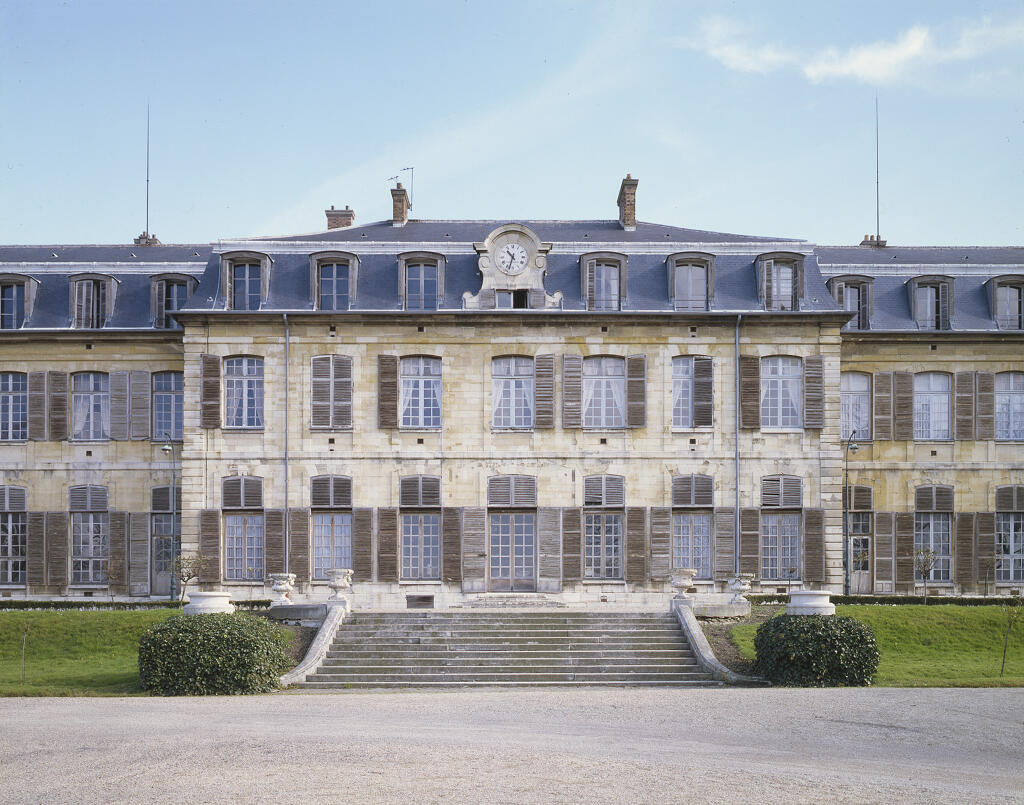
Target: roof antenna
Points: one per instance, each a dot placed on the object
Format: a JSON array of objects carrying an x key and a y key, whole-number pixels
[
  {"x": 877, "y": 239},
  {"x": 146, "y": 239},
  {"x": 412, "y": 184}
]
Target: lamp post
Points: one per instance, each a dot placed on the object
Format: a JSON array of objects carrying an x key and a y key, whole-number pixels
[
  {"x": 168, "y": 450},
  {"x": 851, "y": 447}
]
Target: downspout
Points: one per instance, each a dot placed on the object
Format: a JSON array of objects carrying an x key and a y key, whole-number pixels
[
  {"x": 736, "y": 456},
  {"x": 287, "y": 394}
]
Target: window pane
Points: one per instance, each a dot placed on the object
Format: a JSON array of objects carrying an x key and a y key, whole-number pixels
[
  {"x": 512, "y": 392},
  {"x": 781, "y": 392},
  {"x": 13, "y": 556},
  {"x": 690, "y": 287},
  {"x": 604, "y": 393},
  {"x": 243, "y": 383},
  {"x": 932, "y": 406},
  {"x": 1010, "y": 406},
  {"x": 855, "y": 399},
  {"x": 682, "y": 392},
  {"x": 606, "y": 286},
  {"x": 13, "y": 406},
  {"x": 932, "y": 546},
  {"x": 421, "y": 392}
]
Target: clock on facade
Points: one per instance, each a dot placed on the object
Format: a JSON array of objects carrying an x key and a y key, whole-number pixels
[{"x": 512, "y": 258}]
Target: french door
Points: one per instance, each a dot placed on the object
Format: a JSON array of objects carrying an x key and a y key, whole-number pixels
[{"x": 513, "y": 552}]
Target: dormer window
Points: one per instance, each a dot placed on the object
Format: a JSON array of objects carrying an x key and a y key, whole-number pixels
[
  {"x": 421, "y": 279},
  {"x": 333, "y": 279},
  {"x": 853, "y": 294},
  {"x": 1006, "y": 296},
  {"x": 781, "y": 280},
  {"x": 603, "y": 280},
  {"x": 931, "y": 299},
  {"x": 92, "y": 301},
  {"x": 169, "y": 293},
  {"x": 245, "y": 280},
  {"x": 12, "y": 305}
]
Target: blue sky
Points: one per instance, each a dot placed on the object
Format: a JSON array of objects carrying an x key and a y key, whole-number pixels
[{"x": 739, "y": 117}]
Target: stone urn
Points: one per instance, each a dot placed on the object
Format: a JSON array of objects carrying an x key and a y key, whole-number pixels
[
  {"x": 739, "y": 586},
  {"x": 281, "y": 584},
  {"x": 208, "y": 602},
  {"x": 682, "y": 580},
  {"x": 340, "y": 581}
]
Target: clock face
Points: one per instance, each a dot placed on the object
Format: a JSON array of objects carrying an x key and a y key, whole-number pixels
[{"x": 512, "y": 258}]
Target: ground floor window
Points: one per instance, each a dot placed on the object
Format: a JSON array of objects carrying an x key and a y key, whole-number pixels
[
  {"x": 90, "y": 547},
  {"x": 421, "y": 546},
  {"x": 243, "y": 547},
  {"x": 513, "y": 546},
  {"x": 1009, "y": 546},
  {"x": 691, "y": 542},
  {"x": 780, "y": 545},
  {"x": 602, "y": 551},
  {"x": 12, "y": 547},
  {"x": 166, "y": 528},
  {"x": 332, "y": 543},
  {"x": 860, "y": 544},
  {"x": 932, "y": 536}
]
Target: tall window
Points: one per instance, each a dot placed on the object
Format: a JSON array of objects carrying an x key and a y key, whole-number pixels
[
  {"x": 781, "y": 392},
  {"x": 168, "y": 405},
  {"x": 1010, "y": 304},
  {"x": 931, "y": 406},
  {"x": 175, "y": 295},
  {"x": 927, "y": 308},
  {"x": 1009, "y": 546},
  {"x": 13, "y": 527},
  {"x": 421, "y": 546},
  {"x": 243, "y": 547},
  {"x": 90, "y": 547},
  {"x": 90, "y": 303},
  {"x": 13, "y": 406},
  {"x": 12, "y": 305},
  {"x": 1010, "y": 406},
  {"x": 604, "y": 392},
  {"x": 512, "y": 385},
  {"x": 855, "y": 393},
  {"x": 691, "y": 287},
  {"x": 246, "y": 286},
  {"x": 606, "y": 286},
  {"x": 244, "y": 385},
  {"x": 332, "y": 543},
  {"x": 166, "y": 531},
  {"x": 513, "y": 544},
  {"x": 780, "y": 545},
  {"x": 781, "y": 278},
  {"x": 932, "y": 533},
  {"x": 851, "y": 303},
  {"x": 334, "y": 286},
  {"x": 691, "y": 542},
  {"x": 90, "y": 406},
  {"x": 421, "y": 392},
  {"x": 602, "y": 552},
  {"x": 421, "y": 286},
  {"x": 682, "y": 392},
  {"x": 860, "y": 541}
]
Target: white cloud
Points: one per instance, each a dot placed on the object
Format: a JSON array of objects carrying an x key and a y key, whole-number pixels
[
  {"x": 725, "y": 41},
  {"x": 877, "y": 63}
]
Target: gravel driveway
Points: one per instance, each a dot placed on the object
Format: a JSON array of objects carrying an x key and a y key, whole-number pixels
[{"x": 520, "y": 746}]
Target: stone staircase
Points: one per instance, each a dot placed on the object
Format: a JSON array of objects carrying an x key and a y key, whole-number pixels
[{"x": 435, "y": 649}]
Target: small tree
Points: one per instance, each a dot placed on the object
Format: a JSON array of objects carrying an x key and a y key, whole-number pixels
[
  {"x": 925, "y": 560},
  {"x": 188, "y": 567},
  {"x": 1013, "y": 613}
]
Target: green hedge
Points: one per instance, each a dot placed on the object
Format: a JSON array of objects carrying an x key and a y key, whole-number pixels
[
  {"x": 815, "y": 651},
  {"x": 936, "y": 600},
  {"x": 200, "y": 655},
  {"x": 67, "y": 603}
]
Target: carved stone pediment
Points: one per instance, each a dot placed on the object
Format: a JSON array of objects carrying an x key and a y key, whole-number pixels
[{"x": 512, "y": 264}]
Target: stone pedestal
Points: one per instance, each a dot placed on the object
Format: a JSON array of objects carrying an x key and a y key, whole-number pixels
[
  {"x": 739, "y": 586},
  {"x": 205, "y": 603},
  {"x": 282, "y": 584},
  {"x": 340, "y": 581},
  {"x": 810, "y": 602},
  {"x": 682, "y": 580}
]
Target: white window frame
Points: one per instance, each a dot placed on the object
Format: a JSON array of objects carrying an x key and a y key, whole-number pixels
[
  {"x": 166, "y": 530},
  {"x": 607, "y": 285},
  {"x": 421, "y": 393},
  {"x": 603, "y": 543},
  {"x": 90, "y": 407},
  {"x": 933, "y": 397},
  {"x": 691, "y": 542},
  {"x": 1010, "y": 406},
  {"x": 13, "y": 548},
  {"x": 513, "y": 552},
  {"x": 780, "y": 545},
  {"x": 934, "y": 531},
  {"x": 90, "y": 547},
  {"x": 168, "y": 406},
  {"x": 926, "y": 306},
  {"x": 244, "y": 546},
  {"x": 682, "y": 392},
  {"x": 1009, "y": 547},
  {"x": 855, "y": 408},
  {"x": 332, "y": 542},
  {"x": 421, "y": 547},
  {"x": 604, "y": 392},
  {"x": 334, "y": 282},
  {"x": 252, "y": 272},
  {"x": 512, "y": 384},
  {"x": 782, "y": 275},
  {"x": 419, "y": 300},
  {"x": 243, "y": 393},
  {"x": 690, "y": 286},
  {"x": 782, "y": 392},
  {"x": 12, "y": 304},
  {"x": 13, "y": 407},
  {"x": 1010, "y": 303}
]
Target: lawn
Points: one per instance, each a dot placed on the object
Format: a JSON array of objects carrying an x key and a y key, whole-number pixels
[{"x": 931, "y": 646}]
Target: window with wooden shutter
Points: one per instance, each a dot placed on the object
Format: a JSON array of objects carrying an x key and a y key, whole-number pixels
[
  {"x": 858, "y": 498},
  {"x": 35, "y": 550},
  {"x": 931, "y": 301},
  {"x": 119, "y": 406},
  {"x": 209, "y": 391},
  {"x": 963, "y": 568},
  {"x": 636, "y": 544},
  {"x": 56, "y": 527},
  {"x": 13, "y": 499},
  {"x": 138, "y": 398},
  {"x": 690, "y": 280},
  {"x": 499, "y": 490},
  {"x": 572, "y": 391},
  {"x": 160, "y": 499},
  {"x": 331, "y": 392},
  {"x": 37, "y": 406},
  {"x": 209, "y": 546},
  {"x": 963, "y": 402},
  {"x": 636, "y": 391},
  {"x": 814, "y": 545},
  {"x": 692, "y": 490},
  {"x": 781, "y": 491},
  {"x": 724, "y": 527},
  {"x": 298, "y": 544},
  {"x": 544, "y": 391},
  {"x": 387, "y": 391},
  {"x": 242, "y": 492},
  {"x": 703, "y": 392},
  {"x": 274, "y": 525},
  {"x": 88, "y": 498},
  {"x": 881, "y": 384},
  {"x": 885, "y": 552},
  {"x": 474, "y": 552},
  {"x": 603, "y": 280},
  {"x": 905, "y": 551},
  {"x": 57, "y": 405},
  {"x": 92, "y": 300},
  {"x": 451, "y": 545},
  {"x": 330, "y": 492},
  {"x": 231, "y": 492},
  {"x": 661, "y": 535},
  {"x": 780, "y": 277},
  {"x": 604, "y": 490},
  {"x": 549, "y": 550},
  {"x": 814, "y": 391},
  {"x": 750, "y": 532},
  {"x": 419, "y": 491},
  {"x": 903, "y": 406},
  {"x": 750, "y": 391},
  {"x": 853, "y": 294},
  {"x": 387, "y": 544},
  {"x": 572, "y": 544}
]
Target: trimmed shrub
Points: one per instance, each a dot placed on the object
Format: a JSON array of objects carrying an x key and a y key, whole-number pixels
[
  {"x": 816, "y": 651},
  {"x": 201, "y": 655},
  {"x": 932, "y": 600}
]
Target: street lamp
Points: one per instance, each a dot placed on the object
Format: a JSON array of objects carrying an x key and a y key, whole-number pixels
[
  {"x": 168, "y": 450},
  {"x": 851, "y": 447}
]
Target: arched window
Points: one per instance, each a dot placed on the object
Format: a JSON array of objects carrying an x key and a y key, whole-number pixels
[{"x": 244, "y": 392}]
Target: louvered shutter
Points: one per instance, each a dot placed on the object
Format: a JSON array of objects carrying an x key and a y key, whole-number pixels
[
  {"x": 209, "y": 546},
  {"x": 636, "y": 391},
  {"x": 273, "y": 520},
  {"x": 703, "y": 490},
  {"x": 83, "y": 296},
  {"x": 119, "y": 406},
  {"x": 56, "y": 526},
  {"x": 636, "y": 544},
  {"x": 341, "y": 491},
  {"x": 57, "y": 405},
  {"x": 1005, "y": 498},
  {"x": 474, "y": 553},
  {"x": 160, "y": 499},
  {"x": 985, "y": 413},
  {"x": 298, "y": 544},
  {"x": 593, "y": 490},
  {"x": 985, "y": 524},
  {"x": 792, "y": 492},
  {"x": 589, "y": 280},
  {"x": 387, "y": 391},
  {"x": 231, "y": 492},
  {"x": 682, "y": 490},
  {"x": 430, "y": 491},
  {"x": 499, "y": 490},
  {"x": 139, "y": 385},
  {"x": 964, "y": 406},
  {"x": 661, "y": 543},
  {"x": 814, "y": 391},
  {"x": 320, "y": 392},
  {"x": 882, "y": 385},
  {"x": 614, "y": 490},
  {"x": 884, "y": 552},
  {"x": 362, "y": 544},
  {"x": 158, "y": 302},
  {"x": 252, "y": 492},
  {"x": 838, "y": 292},
  {"x": 341, "y": 410},
  {"x": 572, "y": 391},
  {"x": 943, "y": 498},
  {"x": 943, "y": 322},
  {"x": 750, "y": 391},
  {"x": 903, "y": 406},
  {"x": 814, "y": 545},
  {"x": 524, "y": 490},
  {"x": 750, "y": 530},
  {"x": 544, "y": 391},
  {"x": 905, "y": 551},
  {"x": 13, "y": 499},
  {"x": 37, "y": 406},
  {"x": 864, "y": 307},
  {"x": 703, "y": 392},
  {"x": 320, "y": 492},
  {"x": 117, "y": 567},
  {"x": 451, "y": 545},
  {"x": 35, "y": 550},
  {"x": 724, "y": 522},
  {"x": 572, "y": 544},
  {"x": 209, "y": 391},
  {"x": 387, "y": 544},
  {"x": 963, "y": 567},
  {"x": 78, "y": 499},
  {"x": 549, "y": 537},
  {"x": 924, "y": 499},
  {"x": 138, "y": 553},
  {"x": 771, "y": 491},
  {"x": 863, "y": 498},
  {"x": 409, "y": 491},
  {"x": 767, "y": 267}
]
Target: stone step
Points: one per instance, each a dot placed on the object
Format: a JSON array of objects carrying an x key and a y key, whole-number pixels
[
  {"x": 467, "y": 645},
  {"x": 469, "y": 667},
  {"x": 445, "y": 653},
  {"x": 389, "y": 685},
  {"x": 512, "y": 676},
  {"x": 474, "y": 634},
  {"x": 530, "y": 663}
]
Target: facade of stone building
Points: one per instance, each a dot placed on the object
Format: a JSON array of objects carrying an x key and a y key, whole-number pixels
[{"x": 459, "y": 408}]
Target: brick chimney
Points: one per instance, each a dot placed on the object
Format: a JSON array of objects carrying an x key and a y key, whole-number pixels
[
  {"x": 400, "y": 206},
  {"x": 339, "y": 219},
  {"x": 627, "y": 203}
]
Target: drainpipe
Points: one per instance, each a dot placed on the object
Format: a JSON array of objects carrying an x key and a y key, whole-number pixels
[
  {"x": 287, "y": 394},
  {"x": 736, "y": 457}
]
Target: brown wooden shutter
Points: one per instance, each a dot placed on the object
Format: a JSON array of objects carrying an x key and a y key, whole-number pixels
[
  {"x": 636, "y": 391},
  {"x": 903, "y": 406},
  {"x": 298, "y": 544},
  {"x": 703, "y": 392},
  {"x": 117, "y": 567},
  {"x": 964, "y": 406},
  {"x": 81, "y": 303},
  {"x": 792, "y": 496},
  {"x": 1005, "y": 498},
  {"x": 944, "y": 293},
  {"x": 252, "y": 492},
  {"x": 985, "y": 413},
  {"x": 119, "y": 406},
  {"x": 158, "y": 303},
  {"x": 387, "y": 391},
  {"x": 57, "y": 405},
  {"x": 78, "y": 498},
  {"x": 765, "y": 281},
  {"x": 362, "y": 544},
  {"x": 863, "y": 498},
  {"x": 750, "y": 535},
  {"x": 882, "y": 386},
  {"x": 320, "y": 492},
  {"x": 56, "y": 548},
  {"x": 924, "y": 499},
  {"x": 320, "y": 392},
  {"x": 884, "y": 550},
  {"x": 341, "y": 411},
  {"x": 771, "y": 491},
  {"x": 682, "y": 490},
  {"x": 724, "y": 522},
  {"x": 387, "y": 544},
  {"x": 814, "y": 391},
  {"x": 703, "y": 490},
  {"x": 750, "y": 391},
  {"x": 986, "y": 547},
  {"x": 451, "y": 545},
  {"x": 544, "y": 391},
  {"x": 209, "y": 546},
  {"x": 160, "y": 499},
  {"x": 943, "y": 498},
  {"x": 499, "y": 490},
  {"x": 661, "y": 543},
  {"x": 524, "y": 490},
  {"x": 572, "y": 544},
  {"x": 231, "y": 492},
  {"x": 864, "y": 307},
  {"x": 139, "y": 385},
  {"x": 905, "y": 551},
  {"x": 963, "y": 567},
  {"x": 97, "y": 498},
  {"x": 614, "y": 490},
  {"x": 593, "y": 490},
  {"x": 13, "y": 499},
  {"x": 409, "y": 492},
  {"x": 572, "y": 391},
  {"x": 474, "y": 553},
  {"x": 274, "y": 540},
  {"x": 430, "y": 490},
  {"x": 209, "y": 391},
  {"x": 35, "y": 550},
  {"x": 814, "y": 545},
  {"x": 838, "y": 289},
  {"x": 37, "y": 406},
  {"x": 549, "y": 536},
  {"x": 341, "y": 491},
  {"x": 636, "y": 544},
  {"x": 588, "y": 283}
]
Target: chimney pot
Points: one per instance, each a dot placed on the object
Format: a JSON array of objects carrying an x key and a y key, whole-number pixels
[
  {"x": 627, "y": 203},
  {"x": 400, "y": 206},
  {"x": 340, "y": 219}
]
